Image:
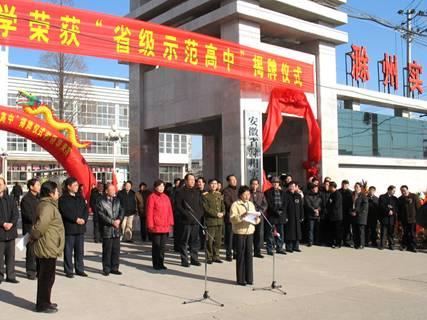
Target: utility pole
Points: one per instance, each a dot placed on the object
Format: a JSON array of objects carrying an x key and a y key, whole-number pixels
[{"x": 409, "y": 34}]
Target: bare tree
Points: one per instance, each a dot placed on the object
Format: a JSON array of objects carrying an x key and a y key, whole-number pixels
[{"x": 66, "y": 85}]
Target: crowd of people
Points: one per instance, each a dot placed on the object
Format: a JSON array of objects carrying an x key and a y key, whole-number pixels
[{"x": 202, "y": 216}]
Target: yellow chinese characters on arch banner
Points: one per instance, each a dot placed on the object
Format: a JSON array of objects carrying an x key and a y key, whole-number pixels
[{"x": 49, "y": 27}]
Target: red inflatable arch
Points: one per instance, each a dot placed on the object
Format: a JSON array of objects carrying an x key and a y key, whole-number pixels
[{"x": 50, "y": 139}]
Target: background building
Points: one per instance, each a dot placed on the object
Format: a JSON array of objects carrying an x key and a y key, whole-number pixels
[
  {"x": 102, "y": 104},
  {"x": 365, "y": 134}
]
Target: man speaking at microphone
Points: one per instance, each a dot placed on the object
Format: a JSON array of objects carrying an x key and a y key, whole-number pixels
[{"x": 190, "y": 207}]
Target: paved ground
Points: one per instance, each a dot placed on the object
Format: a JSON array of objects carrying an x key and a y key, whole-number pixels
[{"x": 322, "y": 283}]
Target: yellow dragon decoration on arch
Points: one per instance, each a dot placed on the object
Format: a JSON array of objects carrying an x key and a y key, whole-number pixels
[{"x": 32, "y": 105}]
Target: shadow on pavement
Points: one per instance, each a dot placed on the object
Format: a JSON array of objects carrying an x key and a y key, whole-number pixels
[{"x": 10, "y": 298}]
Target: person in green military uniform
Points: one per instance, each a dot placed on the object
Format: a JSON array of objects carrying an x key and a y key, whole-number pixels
[{"x": 213, "y": 204}]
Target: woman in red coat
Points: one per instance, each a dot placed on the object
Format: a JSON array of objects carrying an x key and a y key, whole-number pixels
[{"x": 159, "y": 222}]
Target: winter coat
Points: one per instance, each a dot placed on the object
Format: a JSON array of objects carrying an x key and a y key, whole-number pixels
[
  {"x": 334, "y": 207},
  {"x": 72, "y": 208},
  {"x": 231, "y": 195},
  {"x": 48, "y": 231},
  {"x": 259, "y": 200},
  {"x": 386, "y": 204},
  {"x": 109, "y": 211},
  {"x": 276, "y": 215},
  {"x": 8, "y": 214},
  {"x": 241, "y": 227},
  {"x": 347, "y": 204},
  {"x": 128, "y": 202},
  {"x": 313, "y": 201},
  {"x": 188, "y": 203},
  {"x": 373, "y": 210},
  {"x": 361, "y": 207},
  {"x": 408, "y": 207},
  {"x": 295, "y": 215},
  {"x": 29, "y": 204},
  {"x": 213, "y": 203},
  {"x": 159, "y": 213},
  {"x": 141, "y": 200}
]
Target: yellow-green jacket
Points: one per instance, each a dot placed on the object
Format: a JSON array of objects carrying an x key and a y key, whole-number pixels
[{"x": 48, "y": 231}]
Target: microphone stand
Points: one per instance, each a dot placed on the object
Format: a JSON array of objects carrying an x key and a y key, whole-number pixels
[
  {"x": 274, "y": 285},
  {"x": 205, "y": 295}
]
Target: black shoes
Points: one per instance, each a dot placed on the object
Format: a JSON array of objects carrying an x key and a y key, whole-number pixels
[
  {"x": 81, "y": 274},
  {"x": 185, "y": 264},
  {"x": 195, "y": 263},
  {"x": 160, "y": 268},
  {"x": 47, "y": 310},
  {"x": 281, "y": 251},
  {"x": 12, "y": 281},
  {"x": 116, "y": 272},
  {"x": 297, "y": 250},
  {"x": 69, "y": 275},
  {"x": 217, "y": 260},
  {"x": 209, "y": 261},
  {"x": 31, "y": 277},
  {"x": 229, "y": 258},
  {"x": 105, "y": 273},
  {"x": 270, "y": 253},
  {"x": 309, "y": 244},
  {"x": 258, "y": 255}
]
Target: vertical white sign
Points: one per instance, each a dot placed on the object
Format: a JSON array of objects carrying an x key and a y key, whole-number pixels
[{"x": 253, "y": 145}]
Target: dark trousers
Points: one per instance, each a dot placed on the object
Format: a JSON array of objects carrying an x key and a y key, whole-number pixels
[
  {"x": 7, "y": 254},
  {"x": 335, "y": 231},
  {"x": 201, "y": 234},
  {"x": 259, "y": 237},
  {"x": 229, "y": 242},
  {"x": 358, "y": 234},
  {"x": 177, "y": 232},
  {"x": 347, "y": 232},
  {"x": 143, "y": 227},
  {"x": 46, "y": 279},
  {"x": 324, "y": 232},
  {"x": 214, "y": 242},
  {"x": 110, "y": 254},
  {"x": 292, "y": 245},
  {"x": 408, "y": 238},
  {"x": 387, "y": 233},
  {"x": 313, "y": 230},
  {"x": 244, "y": 259},
  {"x": 158, "y": 249},
  {"x": 272, "y": 241},
  {"x": 30, "y": 261},
  {"x": 371, "y": 233},
  {"x": 189, "y": 236},
  {"x": 74, "y": 243},
  {"x": 96, "y": 228}
]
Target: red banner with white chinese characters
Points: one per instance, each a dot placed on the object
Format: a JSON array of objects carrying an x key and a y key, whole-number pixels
[
  {"x": 49, "y": 27},
  {"x": 50, "y": 139}
]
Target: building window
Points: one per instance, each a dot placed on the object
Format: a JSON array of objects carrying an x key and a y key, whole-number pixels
[
  {"x": 184, "y": 147},
  {"x": 16, "y": 143},
  {"x": 123, "y": 116},
  {"x": 162, "y": 143},
  {"x": 124, "y": 146},
  {"x": 168, "y": 143},
  {"x": 96, "y": 113},
  {"x": 176, "y": 143},
  {"x": 169, "y": 173},
  {"x": 98, "y": 143},
  {"x": 36, "y": 148},
  {"x": 372, "y": 134}
]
